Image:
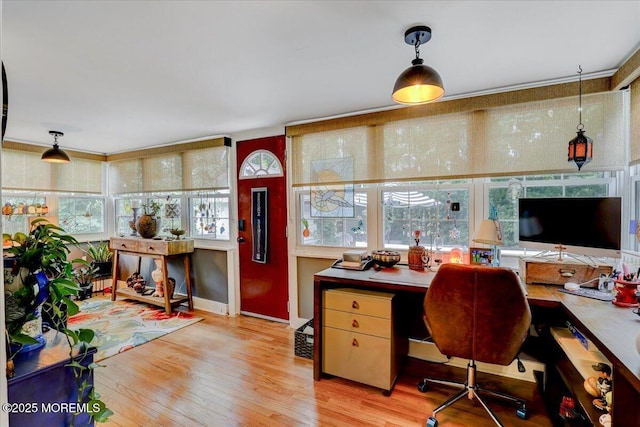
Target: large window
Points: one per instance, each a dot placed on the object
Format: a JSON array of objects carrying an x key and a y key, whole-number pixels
[
  {"x": 81, "y": 215},
  {"x": 209, "y": 215},
  {"x": 318, "y": 225},
  {"x": 503, "y": 194},
  {"x": 202, "y": 215},
  {"x": 440, "y": 213},
  {"x": 19, "y": 209}
]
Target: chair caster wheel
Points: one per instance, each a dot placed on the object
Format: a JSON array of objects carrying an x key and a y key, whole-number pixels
[
  {"x": 423, "y": 386},
  {"x": 432, "y": 422},
  {"x": 522, "y": 412}
]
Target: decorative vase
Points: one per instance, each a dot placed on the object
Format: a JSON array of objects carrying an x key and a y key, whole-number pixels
[
  {"x": 147, "y": 226},
  {"x": 416, "y": 257}
]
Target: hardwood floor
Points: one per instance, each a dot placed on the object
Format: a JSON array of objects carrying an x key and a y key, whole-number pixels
[{"x": 241, "y": 371}]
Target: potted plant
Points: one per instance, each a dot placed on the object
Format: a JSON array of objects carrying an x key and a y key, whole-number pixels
[
  {"x": 101, "y": 257},
  {"x": 84, "y": 276},
  {"x": 43, "y": 282},
  {"x": 147, "y": 225}
]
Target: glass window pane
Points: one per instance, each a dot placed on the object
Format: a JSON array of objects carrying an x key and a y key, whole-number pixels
[
  {"x": 333, "y": 231},
  {"x": 209, "y": 216},
  {"x": 81, "y": 215}
]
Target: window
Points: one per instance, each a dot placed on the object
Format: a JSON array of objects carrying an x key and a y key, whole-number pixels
[
  {"x": 503, "y": 194},
  {"x": 124, "y": 216},
  {"x": 209, "y": 215},
  {"x": 260, "y": 163},
  {"x": 23, "y": 208},
  {"x": 428, "y": 208},
  {"x": 329, "y": 230},
  {"x": 81, "y": 215}
]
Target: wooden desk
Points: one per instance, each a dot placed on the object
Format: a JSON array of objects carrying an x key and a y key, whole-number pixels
[
  {"x": 612, "y": 329},
  {"x": 153, "y": 249}
]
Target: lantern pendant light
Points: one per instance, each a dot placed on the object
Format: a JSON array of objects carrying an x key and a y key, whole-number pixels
[
  {"x": 419, "y": 83},
  {"x": 580, "y": 147}
]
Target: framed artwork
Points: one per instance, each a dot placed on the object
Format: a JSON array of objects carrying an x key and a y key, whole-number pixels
[{"x": 481, "y": 256}]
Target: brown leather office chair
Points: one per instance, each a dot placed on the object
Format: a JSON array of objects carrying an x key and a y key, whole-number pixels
[{"x": 480, "y": 314}]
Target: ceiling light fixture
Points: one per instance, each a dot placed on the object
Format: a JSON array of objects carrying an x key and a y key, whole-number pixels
[
  {"x": 419, "y": 83},
  {"x": 580, "y": 147},
  {"x": 55, "y": 154}
]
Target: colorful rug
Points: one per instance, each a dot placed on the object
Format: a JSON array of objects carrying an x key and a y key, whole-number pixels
[{"x": 122, "y": 325}]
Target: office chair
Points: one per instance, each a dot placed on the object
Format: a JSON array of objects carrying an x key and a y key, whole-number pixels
[{"x": 480, "y": 314}]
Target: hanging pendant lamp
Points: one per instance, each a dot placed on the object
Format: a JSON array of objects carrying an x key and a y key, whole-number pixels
[
  {"x": 55, "y": 154},
  {"x": 419, "y": 83},
  {"x": 580, "y": 147}
]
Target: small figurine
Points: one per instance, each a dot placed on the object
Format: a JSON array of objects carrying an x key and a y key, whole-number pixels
[
  {"x": 137, "y": 282},
  {"x": 604, "y": 386}
]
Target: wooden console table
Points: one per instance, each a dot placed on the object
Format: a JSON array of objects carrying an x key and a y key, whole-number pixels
[{"x": 152, "y": 248}]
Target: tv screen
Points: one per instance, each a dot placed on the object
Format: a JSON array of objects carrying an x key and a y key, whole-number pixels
[{"x": 585, "y": 226}]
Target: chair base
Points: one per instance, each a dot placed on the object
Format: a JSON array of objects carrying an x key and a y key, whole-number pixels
[{"x": 472, "y": 390}]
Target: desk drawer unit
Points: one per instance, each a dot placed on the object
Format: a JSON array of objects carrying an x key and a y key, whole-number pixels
[
  {"x": 549, "y": 272},
  {"x": 359, "y": 337}
]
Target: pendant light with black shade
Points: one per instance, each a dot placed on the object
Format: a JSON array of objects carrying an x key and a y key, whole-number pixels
[
  {"x": 580, "y": 147},
  {"x": 55, "y": 154},
  {"x": 419, "y": 83}
]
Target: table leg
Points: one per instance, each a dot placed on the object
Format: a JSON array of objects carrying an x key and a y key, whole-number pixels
[
  {"x": 187, "y": 278},
  {"x": 114, "y": 278},
  {"x": 167, "y": 297}
]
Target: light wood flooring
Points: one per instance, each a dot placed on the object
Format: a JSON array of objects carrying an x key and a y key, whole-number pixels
[{"x": 242, "y": 371}]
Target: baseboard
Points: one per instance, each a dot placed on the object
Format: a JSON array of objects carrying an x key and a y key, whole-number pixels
[
  {"x": 428, "y": 351},
  {"x": 210, "y": 306}
]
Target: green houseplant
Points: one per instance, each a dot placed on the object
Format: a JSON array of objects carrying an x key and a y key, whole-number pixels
[
  {"x": 43, "y": 282},
  {"x": 101, "y": 257}
]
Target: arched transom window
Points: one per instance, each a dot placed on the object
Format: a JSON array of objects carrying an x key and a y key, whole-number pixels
[{"x": 260, "y": 163}]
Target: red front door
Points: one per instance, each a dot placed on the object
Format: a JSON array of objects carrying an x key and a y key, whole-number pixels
[{"x": 262, "y": 221}]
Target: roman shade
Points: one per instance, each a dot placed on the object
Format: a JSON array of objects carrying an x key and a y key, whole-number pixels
[
  {"x": 512, "y": 139},
  {"x": 24, "y": 170},
  {"x": 193, "y": 166}
]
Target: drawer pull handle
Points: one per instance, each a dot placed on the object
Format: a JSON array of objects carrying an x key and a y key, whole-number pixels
[
  {"x": 151, "y": 248},
  {"x": 355, "y": 324},
  {"x": 355, "y": 305},
  {"x": 354, "y": 342},
  {"x": 124, "y": 246},
  {"x": 566, "y": 272}
]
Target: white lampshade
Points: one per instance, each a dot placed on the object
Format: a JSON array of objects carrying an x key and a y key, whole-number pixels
[{"x": 489, "y": 233}]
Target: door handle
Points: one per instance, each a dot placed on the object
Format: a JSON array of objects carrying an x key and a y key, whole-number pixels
[{"x": 240, "y": 239}]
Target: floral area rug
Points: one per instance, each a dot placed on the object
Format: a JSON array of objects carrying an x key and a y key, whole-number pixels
[{"x": 122, "y": 325}]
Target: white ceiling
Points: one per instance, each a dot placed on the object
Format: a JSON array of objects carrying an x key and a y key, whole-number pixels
[{"x": 118, "y": 75}]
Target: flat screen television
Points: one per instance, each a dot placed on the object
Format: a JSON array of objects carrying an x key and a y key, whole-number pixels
[{"x": 585, "y": 226}]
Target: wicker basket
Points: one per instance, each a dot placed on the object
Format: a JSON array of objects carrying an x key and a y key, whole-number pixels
[{"x": 304, "y": 342}]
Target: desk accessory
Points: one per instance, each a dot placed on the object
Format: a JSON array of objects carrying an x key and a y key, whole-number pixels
[{"x": 385, "y": 259}]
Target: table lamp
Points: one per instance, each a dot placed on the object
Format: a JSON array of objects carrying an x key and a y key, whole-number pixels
[{"x": 490, "y": 233}]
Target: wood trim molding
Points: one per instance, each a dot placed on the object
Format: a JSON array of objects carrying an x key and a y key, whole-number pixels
[
  {"x": 627, "y": 73},
  {"x": 475, "y": 103},
  {"x": 175, "y": 148},
  {"x": 33, "y": 148}
]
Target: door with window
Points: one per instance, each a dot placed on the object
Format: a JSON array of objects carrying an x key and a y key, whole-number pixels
[{"x": 262, "y": 233}]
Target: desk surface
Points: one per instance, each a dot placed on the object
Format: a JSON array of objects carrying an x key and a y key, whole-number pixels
[{"x": 611, "y": 328}]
